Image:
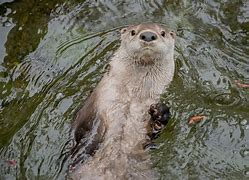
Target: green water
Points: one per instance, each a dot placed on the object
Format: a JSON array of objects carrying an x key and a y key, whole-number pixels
[{"x": 52, "y": 54}]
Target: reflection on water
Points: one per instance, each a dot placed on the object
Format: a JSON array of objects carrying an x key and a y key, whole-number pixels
[{"x": 53, "y": 53}]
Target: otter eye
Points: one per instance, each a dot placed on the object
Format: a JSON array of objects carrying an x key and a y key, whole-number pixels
[
  {"x": 133, "y": 32},
  {"x": 163, "y": 33},
  {"x": 123, "y": 30},
  {"x": 173, "y": 35}
]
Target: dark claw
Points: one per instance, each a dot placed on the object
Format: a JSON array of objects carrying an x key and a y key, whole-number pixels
[
  {"x": 152, "y": 109},
  {"x": 158, "y": 126},
  {"x": 151, "y": 146}
]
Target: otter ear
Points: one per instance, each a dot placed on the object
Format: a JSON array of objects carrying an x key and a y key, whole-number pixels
[
  {"x": 123, "y": 30},
  {"x": 172, "y": 34}
]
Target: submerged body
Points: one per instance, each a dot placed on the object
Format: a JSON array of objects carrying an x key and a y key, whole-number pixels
[{"x": 140, "y": 70}]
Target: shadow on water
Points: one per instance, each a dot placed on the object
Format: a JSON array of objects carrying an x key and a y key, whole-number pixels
[{"x": 53, "y": 53}]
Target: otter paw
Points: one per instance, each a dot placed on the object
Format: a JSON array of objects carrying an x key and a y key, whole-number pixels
[
  {"x": 159, "y": 114},
  {"x": 159, "y": 118}
]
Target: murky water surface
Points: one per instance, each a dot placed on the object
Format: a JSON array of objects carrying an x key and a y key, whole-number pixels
[{"x": 52, "y": 54}]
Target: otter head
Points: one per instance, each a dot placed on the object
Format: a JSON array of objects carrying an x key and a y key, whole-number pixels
[{"x": 148, "y": 43}]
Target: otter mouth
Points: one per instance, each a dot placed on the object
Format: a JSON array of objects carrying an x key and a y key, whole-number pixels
[
  {"x": 146, "y": 56},
  {"x": 147, "y": 49}
]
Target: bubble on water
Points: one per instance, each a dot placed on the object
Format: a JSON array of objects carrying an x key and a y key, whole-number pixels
[
  {"x": 206, "y": 83},
  {"x": 246, "y": 172},
  {"x": 226, "y": 99},
  {"x": 243, "y": 122},
  {"x": 235, "y": 152},
  {"x": 7, "y": 24},
  {"x": 244, "y": 152},
  {"x": 59, "y": 96}
]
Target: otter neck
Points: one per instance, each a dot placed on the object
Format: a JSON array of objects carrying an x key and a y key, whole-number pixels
[{"x": 147, "y": 80}]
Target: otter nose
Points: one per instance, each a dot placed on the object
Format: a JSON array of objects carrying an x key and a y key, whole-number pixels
[{"x": 148, "y": 36}]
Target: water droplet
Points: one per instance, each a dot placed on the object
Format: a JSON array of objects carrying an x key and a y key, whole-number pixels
[
  {"x": 5, "y": 91},
  {"x": 39, "y": 31},
  {"x": 243, "y": 122}
]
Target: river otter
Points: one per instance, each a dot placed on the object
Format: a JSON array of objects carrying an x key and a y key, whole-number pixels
[{"x": 140, "y": 70}]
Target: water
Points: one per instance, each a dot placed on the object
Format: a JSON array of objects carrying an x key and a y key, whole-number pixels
[{"x": 53, "y": 53}]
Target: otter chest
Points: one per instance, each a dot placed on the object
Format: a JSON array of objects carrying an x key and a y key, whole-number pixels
[{"x": 145, "y": 87}]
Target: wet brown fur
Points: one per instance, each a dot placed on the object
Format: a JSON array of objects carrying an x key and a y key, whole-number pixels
[{"x": 119, "y": 105}]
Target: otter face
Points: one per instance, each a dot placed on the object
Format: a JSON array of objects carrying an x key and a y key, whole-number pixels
[{"x": 148, "y": 42}]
